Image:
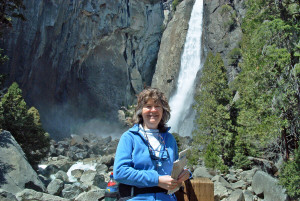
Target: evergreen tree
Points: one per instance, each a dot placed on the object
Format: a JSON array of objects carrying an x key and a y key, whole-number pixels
[
  {"x": 215, "y": 130},
  {"x": 24, "y": 125},
  {"x": 268, "y": 83},
  {"x": 289, "y": 175}
]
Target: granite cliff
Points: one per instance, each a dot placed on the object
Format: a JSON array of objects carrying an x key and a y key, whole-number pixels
[
  {"x": 221, "y": 34},
  {"x": 80, "y": 61}
]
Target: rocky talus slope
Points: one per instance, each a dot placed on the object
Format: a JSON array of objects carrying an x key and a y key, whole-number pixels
[{"x": 78, "y": 168}]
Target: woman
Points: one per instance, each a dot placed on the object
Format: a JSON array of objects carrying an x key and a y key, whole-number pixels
[{"x": 146, "y": 152}]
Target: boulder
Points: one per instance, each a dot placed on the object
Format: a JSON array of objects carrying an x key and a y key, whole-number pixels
[
  {"x": 265, "y": 184},
  {"x": 92, "y": 195},
  {"x": 55, "y": 187},
  {"x": 264, "y": 164},
  {"x": 77, "y": 140},
  {"x": 231, "y": 178},
  {"x": 108, "y": 160},
  {"x": 16, "y": 173},
  {"x": 6, "y": 196},
  {"x": 248, "y": 175},
  {"x": 77, "y": 173},
  {"x": 201, "y": 172},
  {"x": 80, "y": 155},
  {"x": 239, "y": 185},
  {"x": 248, "y": 195},
  {"x": 52, "y": 150},
  {"x": 101, "y": 168},
  {"x": 49, "y": 170},
  {"x": 90, "y": 177},
  {"x": 236, "y": 195},
  {"x": 222, "y": 181},
  {"x": 28, "y": 194},
  {"x": 44, "y": 179},
  {"x": 63, "y": 163},
  {"x": 220, "y": 192},
  {"x": 62, "y": 176},
  {"x": 81, "y": 167},
  {"x": 71, "y": 191}
]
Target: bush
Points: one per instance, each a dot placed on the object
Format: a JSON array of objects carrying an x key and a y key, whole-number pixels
[
  {"x": 193, "y": 158},
  {"x": 243, "y": 149},
  {"x": 241, "y": 161},
  {"x": 226, "y": 43},
  {"x": 289, "y": 175},
  {"x": 213, "y": 160},
  {"x": 24, "y": 125},
  {"x": 234, "y": 56},
  {"x": 175, "y": 3},
  {"x": 226, "y": 9},
  {"x": 178, "y": 141}
]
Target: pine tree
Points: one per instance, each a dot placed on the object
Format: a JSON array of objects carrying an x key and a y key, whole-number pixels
[
  {"x": 268, "y": 83},
  {"x": 214, "y": 125},
  {"x": 24, "y": 125},
  {"x": 289, "y": 175}
]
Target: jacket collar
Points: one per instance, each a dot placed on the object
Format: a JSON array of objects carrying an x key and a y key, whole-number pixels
[{"x": 135, "y": 129}]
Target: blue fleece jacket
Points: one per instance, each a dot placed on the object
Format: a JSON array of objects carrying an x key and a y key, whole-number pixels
[{"x": 134, "y": 166}]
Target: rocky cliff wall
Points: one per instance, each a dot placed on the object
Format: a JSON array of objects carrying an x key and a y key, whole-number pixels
[
  {"x": 222, "y": 29},
  {"x": 171, "y": 48},
  {"x": 221, "y": 34},
  {"x": 83, "y": 59}
]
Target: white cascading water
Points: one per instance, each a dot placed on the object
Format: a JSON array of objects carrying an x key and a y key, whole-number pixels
[{"x": 182, "y": 115}]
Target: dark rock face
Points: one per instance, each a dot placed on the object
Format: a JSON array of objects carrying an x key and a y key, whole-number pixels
[
  {"x": 16, "y": 173},
  {"x": 79, "y": 60}
]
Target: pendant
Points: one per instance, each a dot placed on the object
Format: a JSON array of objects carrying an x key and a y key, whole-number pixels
[{"x": 159, "y": 164}]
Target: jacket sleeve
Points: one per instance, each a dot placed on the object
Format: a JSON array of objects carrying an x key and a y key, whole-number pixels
[{"x": 123, "y": 166}]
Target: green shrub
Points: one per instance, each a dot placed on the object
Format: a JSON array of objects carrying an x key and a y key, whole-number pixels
[
  {"x": 178, "y": 141},
  {"x": 194, "y": 156},
  {"x": 225, "y": 9},
  {"x": 213, "y": 160},
  {"x": 241, "y": 161},
  {"x": 289, "y": 175},
  {"x": 175, "y": 3},
  {"x": 3, "y": 58},
  {"x": 234, "y": 55},
  {"x": 226, "y": 43},
  {"x": 24, "y": 125},
  {"x": 243, "y": 149},
  {"x": 229, "y": 24}
]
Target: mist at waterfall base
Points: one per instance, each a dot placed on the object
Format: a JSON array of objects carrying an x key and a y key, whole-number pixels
[
  {"x": 182, "y": 113},
  {"x": 60, "y": 123}
]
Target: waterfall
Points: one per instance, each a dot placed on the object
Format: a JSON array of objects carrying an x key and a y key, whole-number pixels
[{"x": 182, "y": 115}]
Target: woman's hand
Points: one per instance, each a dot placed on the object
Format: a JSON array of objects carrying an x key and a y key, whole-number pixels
[
  {"x": 167, "y": 182},
  {"x": 184, "y": 175}
]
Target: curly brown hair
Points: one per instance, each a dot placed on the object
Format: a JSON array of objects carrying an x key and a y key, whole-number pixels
[{"x": 157, "y": 96}]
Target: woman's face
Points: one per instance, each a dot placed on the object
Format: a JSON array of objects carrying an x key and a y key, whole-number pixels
[{"x": 152, "y": 114}]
